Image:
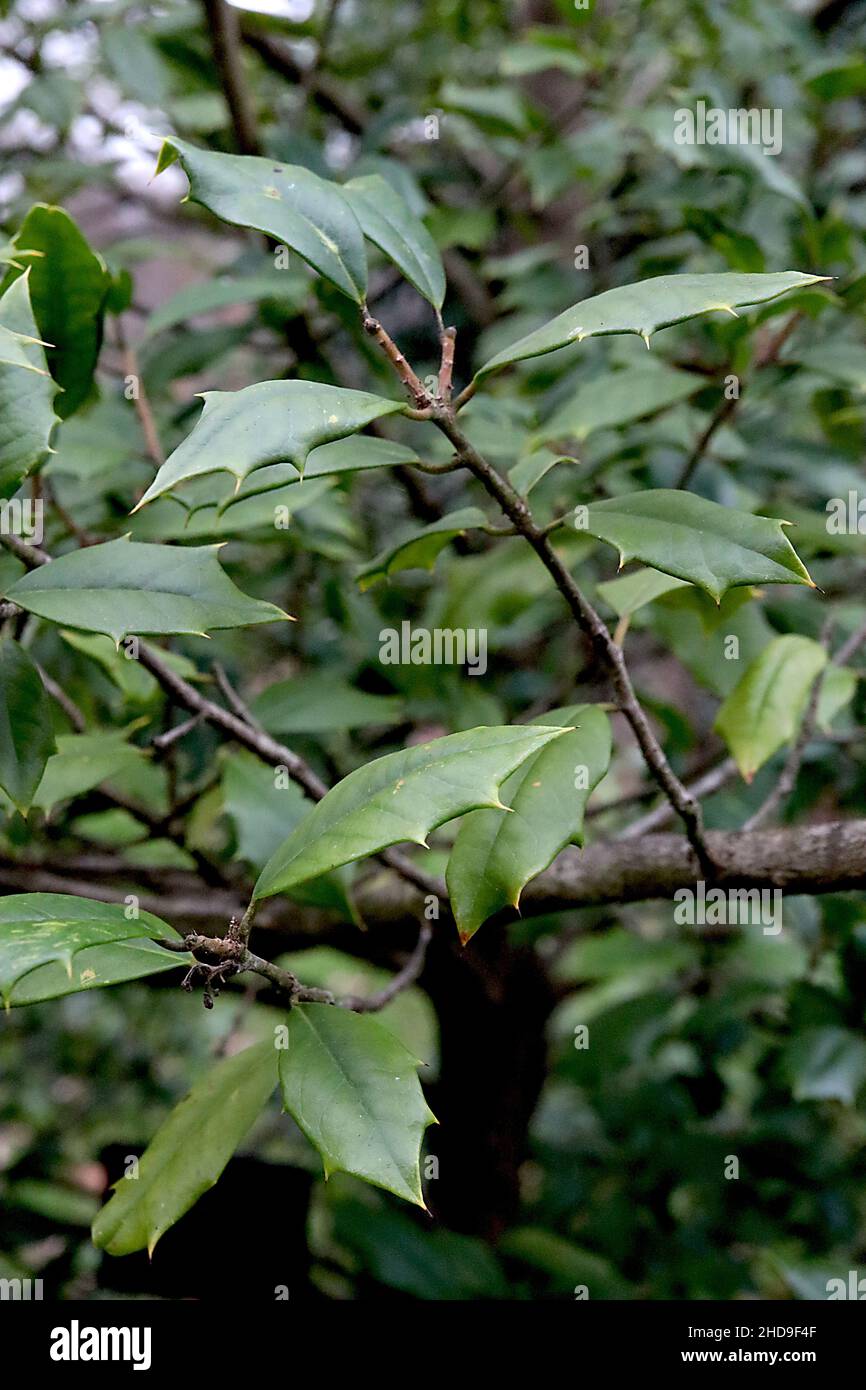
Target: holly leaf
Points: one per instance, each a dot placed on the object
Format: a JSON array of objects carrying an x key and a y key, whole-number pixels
[
  {"x": 26, "y": 730},
  {"x": 402, "y": 796},
  {"x": 710, "y": 546},
  {"x": 322, "y": 702},
  {"x": 127, "y": 587},
  {"x": 97, "y": 967},
  {"x": 618, "y": 398},
  {"x": 69, "y": 283},
  {"x": 648, "y": 306},
  {"x": 391, "y": 225},
  {"x": 84, "y": 761},
  {"x": 496, "y": 853},
  {"x": 421, "y": 549},
  {"x": 307, "y": 213},
  {"x": 27, "y": 390},
  {"x": 272, "y": 422},
  {"x": 354, "y": 454},
  {"x": 188, "y": 1152},
  {"x": 635, "y": 590},
  {"x": 38, "y": 928},
  {"x": 766, "y": 706},
  {"x": 353, "y": 1089}
]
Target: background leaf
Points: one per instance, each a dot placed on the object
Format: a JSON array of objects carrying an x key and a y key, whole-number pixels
[
  {"x": 188, "y": 1152},
  {"x": 26, "y": 730},
  {"x": 766, "y": 706}
]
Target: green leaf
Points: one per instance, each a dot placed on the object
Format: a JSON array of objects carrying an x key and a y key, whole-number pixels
[
  {"x": 618, "y": 398},
  {"x": 826, "y": 1064},
  {"x": 37, "y": 928},
  {"x": 433, "y": 1264},
  {"x": 354, "y": 454},
  {"x": 421, "y": 549},
  {"x": 321, "y": 703},
  {"x": 26, "y": 731},
  {"x": 136, "y": 63},
  {"x": 498, "y": 109},
  {"x": 27, "y": 390},
  {"x": 402, "y": 796},
  {"x": 307, "y": 213},
  {"x": 530, "y": 470},
  {"x": 84, "y": 761},
  {"x": 392, "y": 226},
  {"x": 837, "y": 690},
  {"x": 262, "y": 809},
  {"x": 353, "y": 1089},
  {"x": 766, "y": 706},
  {"x": 713, "y": 547},
  {"x": 648, "y": 306},
  {"x": 208, "y": 295},
  {"x": 97, "y": 967},
  {"x": 127, "y": 587},
  {"x": 124, "y": 671},
  {"x": 633, "y": 591},
  {"x": 69, "y": 283},
  {"x": 188, "y": 1152},
  {"x": 497, "y": 853},
  {"x": 268, "y": 423}
]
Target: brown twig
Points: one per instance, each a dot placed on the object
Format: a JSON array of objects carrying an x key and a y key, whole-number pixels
[
  {"x": 140, "y": 398},
  {"x": 225, "y": 35}
]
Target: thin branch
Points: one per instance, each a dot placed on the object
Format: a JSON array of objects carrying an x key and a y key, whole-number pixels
[
  {"x": 401, "y": 367},
  {"x": 766, "y": 354},
  {"x": 610, "y": 655},
  {"x": 171, "y": 736},
  {"x": 517, "y": 510},
  {"x": 225, "y": 35},
  {"x": 140, "y": 398},
  {"x": 230, "y": 956},
  {"x": 66, "y": 703},
  {"x": 702, "y": 786},
  {"x": 446, "y": 369},
  {"x": 405, "y": 977}
]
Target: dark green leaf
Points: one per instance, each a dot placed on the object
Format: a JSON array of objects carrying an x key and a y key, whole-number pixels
[
  {"x": 402, "y": 796},
  {"x": 273, "y": 422},
  {"x": 69, "y": 283},
  {"x": 188, "y": 1152},
  {"x": 307, "y": 213},
  {"x": 37, "y": 928},
  {"x": 126, "y": 587},
  {"x": 496, "y": 853},
  {"x": 713, "y": 547},
  {"x": 353, "y": 1089},
  {"x": 648, "y": 306},
  {"x": 393, "y": 227},
  {"x": 26, "y": 731}
]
